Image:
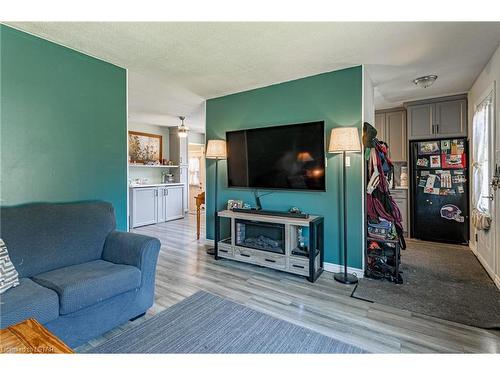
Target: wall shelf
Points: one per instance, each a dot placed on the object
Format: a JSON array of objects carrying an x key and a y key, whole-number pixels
[{"x": 153, "y": 166}]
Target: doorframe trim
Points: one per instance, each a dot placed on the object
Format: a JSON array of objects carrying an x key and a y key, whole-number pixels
[{"x": 492, "y": 271}]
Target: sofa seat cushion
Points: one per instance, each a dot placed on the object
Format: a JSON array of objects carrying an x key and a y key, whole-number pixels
[
  {"x": 28, "y": 300},
  {"x": 86, "y": 284}
]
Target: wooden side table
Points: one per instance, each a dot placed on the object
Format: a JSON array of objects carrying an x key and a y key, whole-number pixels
[{"x": 30, "y": 337}]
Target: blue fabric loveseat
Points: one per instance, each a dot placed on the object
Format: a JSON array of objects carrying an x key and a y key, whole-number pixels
[{"x": 78, "y": 276}]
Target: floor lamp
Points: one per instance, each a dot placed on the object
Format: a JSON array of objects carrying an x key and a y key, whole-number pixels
[
  {"x": 344, "y": 140},
  {"x": 216, "y": 149}
]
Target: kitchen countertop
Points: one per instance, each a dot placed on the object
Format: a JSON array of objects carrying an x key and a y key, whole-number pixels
[{"x": 133, "y": 186}]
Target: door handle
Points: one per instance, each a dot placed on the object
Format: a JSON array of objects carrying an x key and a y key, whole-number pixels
[
  {"x": 437, "y": 128},
  {"x": 490, "y": 197}
]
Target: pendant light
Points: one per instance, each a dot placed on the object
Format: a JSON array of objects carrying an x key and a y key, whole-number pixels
[
  {"x": 425, "y": 81},
  {"x": 182, "y": 130}
]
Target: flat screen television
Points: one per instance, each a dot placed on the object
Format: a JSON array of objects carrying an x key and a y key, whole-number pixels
[{"x": 277, "y": 157}]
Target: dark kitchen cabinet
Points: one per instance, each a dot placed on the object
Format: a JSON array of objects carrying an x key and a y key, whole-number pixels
[{"x": 437, "y": 118}]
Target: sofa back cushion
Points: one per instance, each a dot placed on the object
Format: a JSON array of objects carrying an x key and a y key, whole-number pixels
[{"x": 42, "y": 237}]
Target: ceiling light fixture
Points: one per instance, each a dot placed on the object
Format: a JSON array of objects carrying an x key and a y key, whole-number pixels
[
  {"x": 182, "y": 130},
  {"x": 425, "y": 81}
]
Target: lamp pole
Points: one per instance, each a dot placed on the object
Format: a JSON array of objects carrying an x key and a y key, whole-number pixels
[
  {"x": 216, "y": 149},
  {"x": 344, "y": 277},
  {"x": 213, "y": 250},
  {"x": 344, "y": 139}
]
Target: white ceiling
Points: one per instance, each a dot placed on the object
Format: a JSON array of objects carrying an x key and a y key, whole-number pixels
[{"x": 174, "y": 67}]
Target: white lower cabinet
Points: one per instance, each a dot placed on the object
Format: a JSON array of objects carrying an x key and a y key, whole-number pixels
[
  {"x": 162, "y": 205},
  {"x": 151, "y": 205},
  {"x": 400, "y": 196},
  {"x": 174, "y": 202},
  {"x": 144, "y": 206}
]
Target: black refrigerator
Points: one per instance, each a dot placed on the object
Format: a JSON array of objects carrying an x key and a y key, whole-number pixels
[{"x": 439, "y": 194}]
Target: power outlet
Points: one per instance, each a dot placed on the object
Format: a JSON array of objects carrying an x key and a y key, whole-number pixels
[{"x": 347, "y": 161}]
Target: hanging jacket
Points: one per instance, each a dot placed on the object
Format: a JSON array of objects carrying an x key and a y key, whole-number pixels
[{"x": 380, "y": 203}]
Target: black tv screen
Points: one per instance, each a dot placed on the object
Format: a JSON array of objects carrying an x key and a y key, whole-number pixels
[{"x": 277, "y": 157}]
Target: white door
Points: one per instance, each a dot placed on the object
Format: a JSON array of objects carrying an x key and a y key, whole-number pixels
[
  {"x": 174, "y": 206},
  {"x": 484, "y": 196}
]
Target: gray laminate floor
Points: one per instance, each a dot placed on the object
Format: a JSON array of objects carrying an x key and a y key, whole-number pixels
[{"x": 325, "y": 306}]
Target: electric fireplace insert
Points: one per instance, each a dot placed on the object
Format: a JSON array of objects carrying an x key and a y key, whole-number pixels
[{"x": 260, "y": 236}]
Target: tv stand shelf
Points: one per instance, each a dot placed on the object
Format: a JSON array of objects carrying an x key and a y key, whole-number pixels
[{"x": 268, "y": 241}]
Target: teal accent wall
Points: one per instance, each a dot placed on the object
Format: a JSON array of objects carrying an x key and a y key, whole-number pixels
[
  {"x": 334, "y": 97},
  {"x": 63, "y": 125}
]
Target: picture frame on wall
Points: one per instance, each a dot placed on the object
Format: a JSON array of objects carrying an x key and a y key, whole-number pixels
[
  {"x": 232, "y": 203},
  {"x": 144, "y": 148}
]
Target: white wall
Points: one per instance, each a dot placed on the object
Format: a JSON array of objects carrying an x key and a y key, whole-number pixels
[
  {"x": 198, "y": 138},
  {"x": 368, "y": 98},
  {"x": 489, "y": 75}
]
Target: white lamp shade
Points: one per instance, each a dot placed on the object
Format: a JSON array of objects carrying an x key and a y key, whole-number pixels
[
  {"x": 344, "y": 139},
  {"x": 216, "y": 149}
]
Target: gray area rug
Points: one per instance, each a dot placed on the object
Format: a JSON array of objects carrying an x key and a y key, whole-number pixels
[
  {"x": 443, "y": 281},
  {"x": 204, "y": 323}
]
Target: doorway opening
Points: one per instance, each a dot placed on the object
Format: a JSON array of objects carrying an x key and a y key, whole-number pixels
[{"x": 196, "y": 156}]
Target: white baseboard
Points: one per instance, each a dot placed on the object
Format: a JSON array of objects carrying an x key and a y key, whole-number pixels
[
  {"x": 473, "y": 247},
  {"x": 486, "y": 266},
  {"x": 496, "y": 280},
  {"x": 332, "y": 267}
]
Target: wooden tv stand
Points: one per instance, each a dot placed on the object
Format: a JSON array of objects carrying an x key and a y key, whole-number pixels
[{"x": 272, "y": 241}]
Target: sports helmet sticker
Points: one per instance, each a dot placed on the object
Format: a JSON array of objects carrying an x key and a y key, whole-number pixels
[{"x": 451, "y": 212}]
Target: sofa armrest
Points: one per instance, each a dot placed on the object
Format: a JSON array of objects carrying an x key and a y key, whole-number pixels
[{"x": 131, "y": 249}]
